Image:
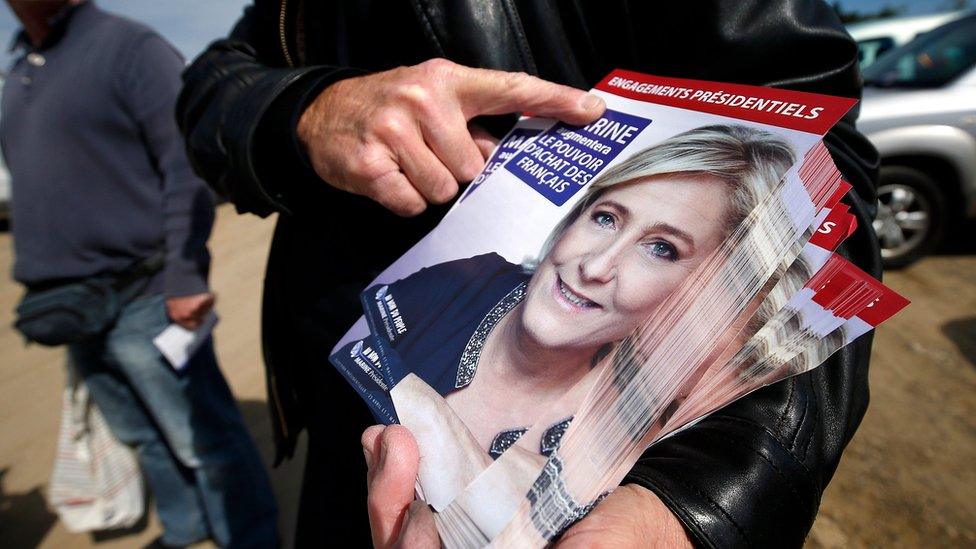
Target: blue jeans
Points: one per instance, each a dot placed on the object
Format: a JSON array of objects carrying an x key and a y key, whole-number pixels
[{"x": 198, "y": 458}]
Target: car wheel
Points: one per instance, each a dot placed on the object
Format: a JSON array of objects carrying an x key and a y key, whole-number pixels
[{"x": 911, "y": 215}]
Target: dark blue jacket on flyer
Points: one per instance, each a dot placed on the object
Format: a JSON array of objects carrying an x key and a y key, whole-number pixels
[{"x": 433, "y": 323}]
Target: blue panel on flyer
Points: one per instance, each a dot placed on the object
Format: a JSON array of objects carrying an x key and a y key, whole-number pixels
[
  {"x": 508, "y": 147},
  {"x": 566, "y": 158}
]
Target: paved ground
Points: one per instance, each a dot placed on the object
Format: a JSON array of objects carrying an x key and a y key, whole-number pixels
[{"x": 907, "y": 480}]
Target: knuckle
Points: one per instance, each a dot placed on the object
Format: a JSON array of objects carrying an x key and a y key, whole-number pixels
[
  {"x": 529, "y": 87},
  {"x": 390, "y": 125},
  {"x": 415, "y": 208},
  {"x": 395, "y": 194},
  {"x": 443, "y": 191},
  {"x": 416, "y": 96},
  {"x": 519, "y": 81},
  {"x": 354, "y": 167},
  {"x": 407, "y": 210},
  {"x": 472, "y": 168},
  {"x": 368, "y": 166},
  {"x": 410, "y": 207},
  {"x": 438, "y": 68},
  {"x": 521, "y": 86}
]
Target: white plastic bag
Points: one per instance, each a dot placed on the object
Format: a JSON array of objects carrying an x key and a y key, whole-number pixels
[{"x": 96, "y": 483}]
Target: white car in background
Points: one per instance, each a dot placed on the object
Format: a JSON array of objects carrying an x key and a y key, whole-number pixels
[
  {"x": 877, "y": 37},
  {"x": 919, "y": 111}
]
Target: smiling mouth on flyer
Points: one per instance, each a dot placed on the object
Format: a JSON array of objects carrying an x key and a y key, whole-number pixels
[{"x": 572, "y": 299}]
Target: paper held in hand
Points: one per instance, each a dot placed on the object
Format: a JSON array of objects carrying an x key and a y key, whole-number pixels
[
  {"x": 179, "y": 344},
  {"x": 600, "y": 287}
]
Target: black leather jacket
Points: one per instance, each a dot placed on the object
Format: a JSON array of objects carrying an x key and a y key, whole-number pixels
[{"x": 749, "y": 475}]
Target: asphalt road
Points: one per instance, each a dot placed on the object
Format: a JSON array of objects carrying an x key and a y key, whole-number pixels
[{"x": 906, "y": 480}]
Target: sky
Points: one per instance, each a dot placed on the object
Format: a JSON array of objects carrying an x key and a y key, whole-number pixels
[{"x": 192, "y": 24}]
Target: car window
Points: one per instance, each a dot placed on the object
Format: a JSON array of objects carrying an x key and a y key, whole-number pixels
[
  {"x": 931, "y": 60},
  {"x": 872, "y": 48}
]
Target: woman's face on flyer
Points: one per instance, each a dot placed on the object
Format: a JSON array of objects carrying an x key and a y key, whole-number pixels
[{"x": 619, "y": 260}]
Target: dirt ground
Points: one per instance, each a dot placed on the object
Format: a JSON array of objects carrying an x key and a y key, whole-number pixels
[{"x": 907, "y": 479}]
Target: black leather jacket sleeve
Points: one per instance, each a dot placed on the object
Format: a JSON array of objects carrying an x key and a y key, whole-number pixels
[{"x": 240, "y": 102}]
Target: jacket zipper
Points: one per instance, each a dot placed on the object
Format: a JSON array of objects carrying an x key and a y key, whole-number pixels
[
  {"x": 273, "y": 385},
  {"x": 282, "y": 19}
]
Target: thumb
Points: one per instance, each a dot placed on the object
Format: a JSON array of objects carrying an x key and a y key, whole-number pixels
[
  {"x": 483, "y": 91},
  {"x": 392, "y": 473}
]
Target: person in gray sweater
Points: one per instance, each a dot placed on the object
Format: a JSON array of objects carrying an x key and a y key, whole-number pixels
[{"x": 101, "y": 182}]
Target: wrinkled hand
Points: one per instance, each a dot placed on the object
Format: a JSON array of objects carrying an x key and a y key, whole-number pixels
[
  {"x": 401, "y": 137},
  {"x": 189, "y": 311},
  {"x": 631, "y": 516}
]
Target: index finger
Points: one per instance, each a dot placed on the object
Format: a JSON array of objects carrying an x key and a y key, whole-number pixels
[{"x": 483, "y": 91}]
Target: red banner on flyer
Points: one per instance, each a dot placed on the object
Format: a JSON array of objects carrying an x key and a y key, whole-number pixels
[
  {"x": 834, "y": 229},
  {"x": 808, "y": 112}
]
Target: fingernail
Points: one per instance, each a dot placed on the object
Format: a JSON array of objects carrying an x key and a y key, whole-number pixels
[{"x": 590, "y": 102}]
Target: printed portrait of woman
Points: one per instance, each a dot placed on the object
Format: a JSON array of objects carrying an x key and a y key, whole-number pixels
[{"x": 473, "y": 352}]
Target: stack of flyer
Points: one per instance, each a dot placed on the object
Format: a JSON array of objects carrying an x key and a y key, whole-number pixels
[{"x": 598, "y": 288}]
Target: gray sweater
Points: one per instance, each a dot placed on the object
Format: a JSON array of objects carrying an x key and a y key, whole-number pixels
[{"x": 99, "y": 171}]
